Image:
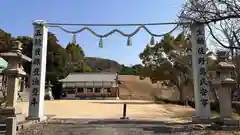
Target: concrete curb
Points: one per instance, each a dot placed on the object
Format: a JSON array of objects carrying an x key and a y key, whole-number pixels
[{"x": 27, "y": 123}]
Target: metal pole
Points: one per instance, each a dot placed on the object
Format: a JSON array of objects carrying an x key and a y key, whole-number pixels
[{"x": 124, "y": 111}]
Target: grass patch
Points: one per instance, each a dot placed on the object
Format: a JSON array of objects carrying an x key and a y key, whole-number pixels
[
  {"x": 236, "y": 116},
  {"x": 236, "y": 133},
  {"x": 223, "y": 133},
  {"x": 215, "y": 114}
]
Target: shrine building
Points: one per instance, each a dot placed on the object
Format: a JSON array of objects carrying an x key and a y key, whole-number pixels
[{"x": 90, "y": 86}]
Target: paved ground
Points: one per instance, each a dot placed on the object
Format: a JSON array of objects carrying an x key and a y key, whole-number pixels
[
  {"x": 98, "y": 117},
  {"x": 96, "y": 127},
  {"x": 113, "y": 127},
  {"x": 112, "y": 109}
]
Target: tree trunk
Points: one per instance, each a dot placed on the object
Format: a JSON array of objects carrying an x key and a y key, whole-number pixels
[
  {"x": 181, "y": 94},
  {"x": 180, "y": 88},
  {"x": 237, "y": 67},
  {"x": 216, "y": 97},
  {"x": 216, "y": 102}
]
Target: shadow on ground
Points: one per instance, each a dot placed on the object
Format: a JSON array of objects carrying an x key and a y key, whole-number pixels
[
  {"x": 184, "y": 115},
  {"x": 125, "y": 102}
]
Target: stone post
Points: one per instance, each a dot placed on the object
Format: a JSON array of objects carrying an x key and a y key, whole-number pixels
[
  {"x": 199, "y": 63},
  {"x": 13, "y": 72},
  {"x": 225, "y": 102},
  {"x": 38, "y": 71}
]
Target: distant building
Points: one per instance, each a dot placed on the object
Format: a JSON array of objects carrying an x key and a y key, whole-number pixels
[{"x": 90, "y": 86}]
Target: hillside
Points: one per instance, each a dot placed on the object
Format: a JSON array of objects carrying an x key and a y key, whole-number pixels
[
  {"x": 135, "y": 89},
  {"x": 105, "y": 65}
]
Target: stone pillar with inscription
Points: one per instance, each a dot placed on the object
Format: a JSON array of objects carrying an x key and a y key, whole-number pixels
[
  {"x": 14, "y": 70},
  {"x": 38, "y": 71},
  {"x": 199, "y": 63}
]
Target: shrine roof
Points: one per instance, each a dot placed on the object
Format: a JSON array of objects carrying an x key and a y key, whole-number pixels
[
  {"x": 90, "y": 77},
  {"x": 14, "y": 54},
  {"x": 221, "y": 65},
  {"x": 226, "y": 65}
]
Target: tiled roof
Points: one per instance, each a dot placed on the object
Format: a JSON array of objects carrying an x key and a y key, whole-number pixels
[{"x": 90, "y": 77}]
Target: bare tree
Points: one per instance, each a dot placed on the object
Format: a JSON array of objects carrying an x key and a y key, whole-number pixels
[
  {"x": 225, "y": 13},
  {"x": 222, "y": 20},
  {"x": 208, "y": 11},
  {"x": 227, "y": 32}
]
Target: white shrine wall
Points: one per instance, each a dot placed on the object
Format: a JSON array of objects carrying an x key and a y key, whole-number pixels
[{"x": 90, "y": 84}]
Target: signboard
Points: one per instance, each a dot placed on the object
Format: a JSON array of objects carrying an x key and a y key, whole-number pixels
[{"x": 37, "y": 85}]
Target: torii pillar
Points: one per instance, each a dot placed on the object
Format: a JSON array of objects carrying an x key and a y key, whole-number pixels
[
  {"x": 38, "y": 71},
  {"x": 200, "y": 80}
]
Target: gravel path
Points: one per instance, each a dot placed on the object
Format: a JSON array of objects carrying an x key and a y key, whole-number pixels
[
  {"x": 140, "y": 110},
  {"x": 111, "y": 109},
  {"x": 109, "y": 127}
]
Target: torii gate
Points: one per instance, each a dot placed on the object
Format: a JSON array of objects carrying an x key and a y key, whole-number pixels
[{"x": 39, "y": 52}]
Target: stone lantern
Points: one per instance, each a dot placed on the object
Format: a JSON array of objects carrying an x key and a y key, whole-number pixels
[
  {"x": 14, "y": 71},
  {"x": 48, "y": 91},
  {"x": 223, "y": 82}
]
